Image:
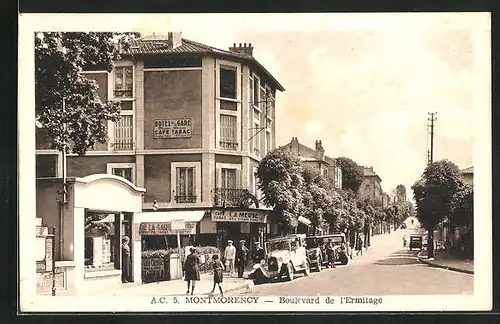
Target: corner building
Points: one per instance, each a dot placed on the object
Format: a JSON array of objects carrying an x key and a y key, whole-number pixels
[{"x": 195, "y": 123}]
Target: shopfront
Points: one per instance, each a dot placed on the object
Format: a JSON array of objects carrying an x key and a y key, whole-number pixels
[{"x": 99, "y": 211}]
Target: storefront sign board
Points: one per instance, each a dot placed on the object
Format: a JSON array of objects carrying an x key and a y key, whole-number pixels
[
  {"x": 178, "y": 224},
  {"x": 239, "y": 216},
  {"x": 172, "y": 128},
  {"x": 166, "y": 229}
]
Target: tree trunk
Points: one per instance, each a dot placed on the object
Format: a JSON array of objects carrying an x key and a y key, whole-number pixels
[{"x": 430, "y": 243}]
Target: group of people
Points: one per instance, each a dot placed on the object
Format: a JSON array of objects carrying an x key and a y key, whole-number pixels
[{"x": 232, "y": 257}]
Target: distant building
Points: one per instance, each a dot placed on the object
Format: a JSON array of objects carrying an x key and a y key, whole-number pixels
[
  {"x": 317, "y": 159},
  {"x": 468, "y": 175},
  {"x": 371, "y": 187}
]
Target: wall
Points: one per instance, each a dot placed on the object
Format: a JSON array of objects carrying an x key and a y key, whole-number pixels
[
  {"x": 87, "y": 165},
  {"x": 157, "y": 174},
  {"x": 169, "y": 95},
  {"x": 469, "y": 178}
]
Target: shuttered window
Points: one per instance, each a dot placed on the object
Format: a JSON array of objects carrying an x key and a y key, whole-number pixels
[
  {"x": 228, "y": 133},
  {"x": 185, "y": 190},
  {"x": 124, "y": 133}
]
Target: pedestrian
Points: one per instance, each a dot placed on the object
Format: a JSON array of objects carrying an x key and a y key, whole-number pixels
[
  {"x": 258, "y": 253},
  {"x": 359, "y": 245},
  {"x": 241, "y": 258},
  {"x": 125, "y": 258},
  {"x": 191, "y": 270},
  {"x": 404, "y": 239},
  {"x": 330, "y": 254},
  {"x": 229, "y": 256},
  {"x": 218, "y": 273}
]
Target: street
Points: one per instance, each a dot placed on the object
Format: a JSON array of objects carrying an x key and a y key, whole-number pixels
[{"x": 387, "y": 269}]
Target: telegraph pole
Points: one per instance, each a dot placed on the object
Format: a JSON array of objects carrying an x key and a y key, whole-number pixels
[{"x": 432, "y": 118}]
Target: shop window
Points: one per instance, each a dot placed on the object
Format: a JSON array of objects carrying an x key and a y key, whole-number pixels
[
  {"x": 185, "y": 189},
  {"x": 102, "y": 241}
]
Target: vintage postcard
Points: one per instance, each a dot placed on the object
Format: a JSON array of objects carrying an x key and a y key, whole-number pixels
[{"x": 255, "y": 162}]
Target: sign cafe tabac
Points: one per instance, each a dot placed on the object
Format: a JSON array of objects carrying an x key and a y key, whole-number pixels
[
  {"x": 172, "y": 128},
  {"x": 239, "y": 216}
]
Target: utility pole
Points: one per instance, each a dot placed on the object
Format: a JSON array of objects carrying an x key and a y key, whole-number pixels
[{"x": 432, "y": 118}]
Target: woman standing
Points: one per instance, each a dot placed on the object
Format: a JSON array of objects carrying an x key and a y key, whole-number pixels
[
  {"x": 125, "y": 258},
  {"x": 191, "y": 270},
  {"x": 218, "y": 273}
]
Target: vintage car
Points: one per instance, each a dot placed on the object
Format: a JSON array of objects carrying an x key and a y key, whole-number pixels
[
  {"x": 317, "y": 253},
  {"x": 285, "y": 256},
  {"x": 415, "y": 242}
]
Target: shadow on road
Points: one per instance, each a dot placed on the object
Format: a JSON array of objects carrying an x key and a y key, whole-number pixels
[{"x": 401, "y": 257}]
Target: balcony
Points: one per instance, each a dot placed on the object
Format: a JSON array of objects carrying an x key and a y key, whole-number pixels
[
  {"x": 184, "y": 199},
  {"x": 229, "y": 146},
  {"x": 225, "y": 197},
  {"x": 122, "y": 145}
]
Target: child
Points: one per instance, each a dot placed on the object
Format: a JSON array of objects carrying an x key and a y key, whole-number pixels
[{"x": 218, "y": 273}]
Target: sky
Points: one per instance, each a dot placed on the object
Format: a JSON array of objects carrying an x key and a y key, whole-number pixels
[{"x": 365, "y": 85}]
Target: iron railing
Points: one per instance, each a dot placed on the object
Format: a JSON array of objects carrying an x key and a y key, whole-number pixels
[
  {"x": 122, "y": 145},
  {"x": 230, "y": 146},
  {"x": 229, "y": 197},
  {"x": 185, "y": 199}
]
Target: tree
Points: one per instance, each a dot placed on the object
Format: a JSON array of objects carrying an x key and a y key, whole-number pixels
[
  {"x": 462, "y": 206},
  {"x": 433, "y": 194},
  {"x": 400, "y": 193},
  {"x": 317, "y": 199},
  {"x": 352, "y": 173},
  {"x": 78, "y": 124},
  {"x": 280, "y": 179}
]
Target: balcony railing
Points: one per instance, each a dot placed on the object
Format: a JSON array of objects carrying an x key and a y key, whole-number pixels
[
  {"x": 185, "y": 199},
  {"x": 230, "y": 146},
  {"x": 122, "y": 145},
  {"x": 225, "y": 197}
]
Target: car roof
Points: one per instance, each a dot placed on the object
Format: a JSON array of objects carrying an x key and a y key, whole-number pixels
[
  {"x": 327, "y": 235},
  {"x": 287, "y": 237}
]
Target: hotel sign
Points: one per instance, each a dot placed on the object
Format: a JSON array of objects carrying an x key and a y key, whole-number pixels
[
  {"x": 239, "y": 216},
  {"x": 172, "y": 128},
  {"x": 166, "y": 229}
]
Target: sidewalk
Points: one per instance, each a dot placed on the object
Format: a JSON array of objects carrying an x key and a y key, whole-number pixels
[
  {"x": 179, "y": 287},
  {"x": 443, "y": 259}
]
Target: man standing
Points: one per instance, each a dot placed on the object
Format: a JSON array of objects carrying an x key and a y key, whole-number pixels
[
  {"x": 241, "y": 258},
  {"x": 258, "y": 253},
  {"x": 229, "y": 256}
]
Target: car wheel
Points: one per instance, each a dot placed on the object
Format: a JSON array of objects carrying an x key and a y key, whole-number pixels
[
  {"x": 289, "y": 272},
  {"x": 307, "y": 270},
  {"x": 319, "y": 264},
  {"x": 259, "y": 278}
]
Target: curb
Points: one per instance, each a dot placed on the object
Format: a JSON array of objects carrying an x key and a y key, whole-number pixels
[{"x": 432, "y": 264}]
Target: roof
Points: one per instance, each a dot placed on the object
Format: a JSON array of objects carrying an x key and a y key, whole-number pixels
[
  {"x": 308, "y": 154},
  {"x": 368, "y": 172},
  {"x": 469, "y": 170},
  {"x": 143, "y": 46}
]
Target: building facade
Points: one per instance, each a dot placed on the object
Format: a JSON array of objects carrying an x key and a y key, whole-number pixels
[
  {"x": 316, "y": 159},
  {"x": 195, "y": 122},
  {"x": 371, "y": 187},
  {"x": 468, "y": 175}
]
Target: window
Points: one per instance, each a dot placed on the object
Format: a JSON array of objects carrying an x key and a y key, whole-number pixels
[
  {"x": 228, "y": 132},
  {"x": 123, "y": 134},
  {"x": 227, "y": 82},
  {"x": 124, "y": 82},
  {"x": 124, "y": 170},
  {"x": 263, "y": 101},
  {"x": 256, "y": 139},
  {"x": 250, "y": 91},
  {"x": 185, "y": 187},
  {"x": 102, "y": 246},
  {"x": 256, "y": 88},
  {"x": 268, "y": 142},
  {"x": 228, "y": 178}
]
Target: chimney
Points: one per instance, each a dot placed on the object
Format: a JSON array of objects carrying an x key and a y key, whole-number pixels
[
  {"x": 246, "y": 49},
  {"x": 295, "y": 145},
  {"x": 320, "y": 152},
  {"x": 174, "y": 40}
]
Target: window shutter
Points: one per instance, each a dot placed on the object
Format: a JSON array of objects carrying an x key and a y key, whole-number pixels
[
  {"x": 238, "y": 178},
  {"x": 218, "y": 177}
]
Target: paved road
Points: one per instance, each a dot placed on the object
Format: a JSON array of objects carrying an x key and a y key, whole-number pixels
[{"x": 387, "y": 269}]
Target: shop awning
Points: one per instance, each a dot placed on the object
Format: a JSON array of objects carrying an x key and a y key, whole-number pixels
[{"x": 167, "y": 216}]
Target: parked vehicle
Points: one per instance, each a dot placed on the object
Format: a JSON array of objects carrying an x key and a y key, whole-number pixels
[
  {"x": 317, "y": 252},
  {"x": 285, "y": 256},
  {"x": 415, "y": 242}
]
